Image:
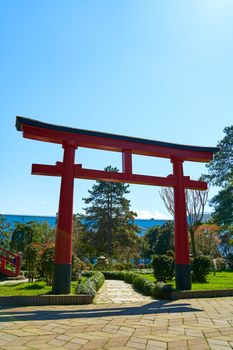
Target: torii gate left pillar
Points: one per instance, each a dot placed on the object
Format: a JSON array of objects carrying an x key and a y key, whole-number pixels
[{"x": 63, "y": 247}]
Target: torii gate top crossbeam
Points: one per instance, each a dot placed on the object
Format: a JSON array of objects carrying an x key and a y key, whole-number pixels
[{"x": 36, "y": 130}]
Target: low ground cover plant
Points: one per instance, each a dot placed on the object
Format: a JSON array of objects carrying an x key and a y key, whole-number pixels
[{"x": 91, "y": 284}]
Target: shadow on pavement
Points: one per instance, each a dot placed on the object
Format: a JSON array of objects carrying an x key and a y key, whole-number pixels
[{"x": 156, "y": 307}]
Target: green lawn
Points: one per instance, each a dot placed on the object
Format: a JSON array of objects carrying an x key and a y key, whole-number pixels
[
  {"x": 221, "y": 280},
  {"x": 29, "y": 288}
]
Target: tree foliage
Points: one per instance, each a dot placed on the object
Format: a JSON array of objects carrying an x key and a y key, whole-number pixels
[
  {"x": 31, "y": 256},
  {"x": 223, "y": 206},
  {"x": 110, "y": 228},
  {"x": 31, "y": 232},
  {"x": 159, "y": 240},
  {"x": 221, "y": 167},
  {"x": 207, "y": 240},
  {"x": 4, "y": 233},
  {"x": 220, "y": 171},
  {"x": 47, "y": 263},
  {"x": 226, "y": 244}
]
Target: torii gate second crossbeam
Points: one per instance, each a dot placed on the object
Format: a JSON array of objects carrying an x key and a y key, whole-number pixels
[{"x": 71, "y": 139}]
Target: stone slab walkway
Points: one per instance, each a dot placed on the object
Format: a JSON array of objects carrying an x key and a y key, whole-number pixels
[
  {"x": 14, "y": 281},
  {"x": 117, "y": 292},
  {"x": 195, "y": 324}
]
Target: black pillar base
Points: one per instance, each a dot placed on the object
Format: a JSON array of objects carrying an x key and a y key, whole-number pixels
[
  {"x": 183, "y": 277},
  {"x": 61, "y": 279}
]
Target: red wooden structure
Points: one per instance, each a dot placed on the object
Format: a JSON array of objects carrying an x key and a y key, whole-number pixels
[
  {"x": 9, "y": 263},
  {"x": 71, "y": 139}
]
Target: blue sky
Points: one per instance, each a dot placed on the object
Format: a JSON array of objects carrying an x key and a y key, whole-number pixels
[{"x": 160, "y": 70}]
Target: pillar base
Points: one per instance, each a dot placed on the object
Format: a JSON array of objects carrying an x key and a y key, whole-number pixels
[
  {"x": 61, "y": 279},
  {"x": 183, "y": 277}
]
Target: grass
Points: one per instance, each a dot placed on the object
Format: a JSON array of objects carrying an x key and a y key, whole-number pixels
[
  {"x": 29, "y": 288},
  {"x": 221, "y": 280}
]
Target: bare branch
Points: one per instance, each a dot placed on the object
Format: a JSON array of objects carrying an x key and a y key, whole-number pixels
[{"x": 195, "y": 205}]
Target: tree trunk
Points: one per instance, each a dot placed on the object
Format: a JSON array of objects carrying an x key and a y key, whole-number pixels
[{"x": 193, "y": 247}]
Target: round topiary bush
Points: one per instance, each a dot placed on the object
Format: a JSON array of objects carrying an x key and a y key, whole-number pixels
[
  {"x": 163, "y": 267},
  {"x": 201, "y": 266}
]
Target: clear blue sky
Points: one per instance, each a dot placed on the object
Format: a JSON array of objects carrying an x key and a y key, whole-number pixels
[{"x": 160, "y": 70}]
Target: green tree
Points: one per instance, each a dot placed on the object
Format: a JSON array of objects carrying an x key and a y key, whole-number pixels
[
  {"x": 80, "y": 247},
  {"x": 221, "y": 167},
  {"x": 226, "y": 244},
  {"x": 47, "y": 263},
  {"x": 207, "y": 240},
  {"x": 109, "y": 221},
  {"x": 31, "y": 232},
  {"x": 220, "y": 171},
  {"x": 223, "y": 206},
  {"x": 159, "y": 239},
  {"x": 4, "y": 233},
  {"x": 150, "y": 240},
  {"x": 31, "y": 255}
]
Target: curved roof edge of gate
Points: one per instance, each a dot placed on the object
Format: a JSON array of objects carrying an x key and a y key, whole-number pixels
[{"x": 20, "y": 121}]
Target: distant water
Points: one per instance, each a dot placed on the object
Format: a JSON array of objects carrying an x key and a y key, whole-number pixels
[
  {"x": 143, "y": 224},
  {"x": 23, "y": 219}
]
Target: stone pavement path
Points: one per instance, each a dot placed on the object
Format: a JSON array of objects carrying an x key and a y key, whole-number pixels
[
  {"x": 195, "y": 324},
  {"x": 13, "y": 281},
  {"x": 118, "y": 292}
]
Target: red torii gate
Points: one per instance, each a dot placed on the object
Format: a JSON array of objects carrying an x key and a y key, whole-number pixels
[{"x": 71, "y": 139}]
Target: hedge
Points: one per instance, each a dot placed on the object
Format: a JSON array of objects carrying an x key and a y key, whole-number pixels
[{"x": 91, "y": 285}]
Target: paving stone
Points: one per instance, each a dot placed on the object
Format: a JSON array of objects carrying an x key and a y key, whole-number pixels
[
  {"x": 136, "y": 345},
  {"x": 195, "y": 324}
]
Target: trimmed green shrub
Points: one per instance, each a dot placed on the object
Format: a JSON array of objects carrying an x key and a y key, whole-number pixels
[
  {"x": 91, "y": 285},
  {"x": 149, "y": 287},
  {"x": 138, "y": 283},
  {"x": 87, "y": 287},
  {"x": 162, "y": 291},
  {"x": 98, "y": 279},
  {"x": 143, "y": 285},
  {"x": 130, "y": 276},
  {"x": 201, "y": 266},
  {"x": 118, "y": 267},
  {"x": 163, "y": 267},
  {"x": 88, "y": 273},
  {"x": 114, "y": 275}
]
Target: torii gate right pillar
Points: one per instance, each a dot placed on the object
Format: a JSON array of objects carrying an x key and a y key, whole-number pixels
[{"x": 183, "y": 271}]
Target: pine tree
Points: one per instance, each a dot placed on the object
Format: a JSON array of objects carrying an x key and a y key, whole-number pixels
[{"x": 110, "y": 222}]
